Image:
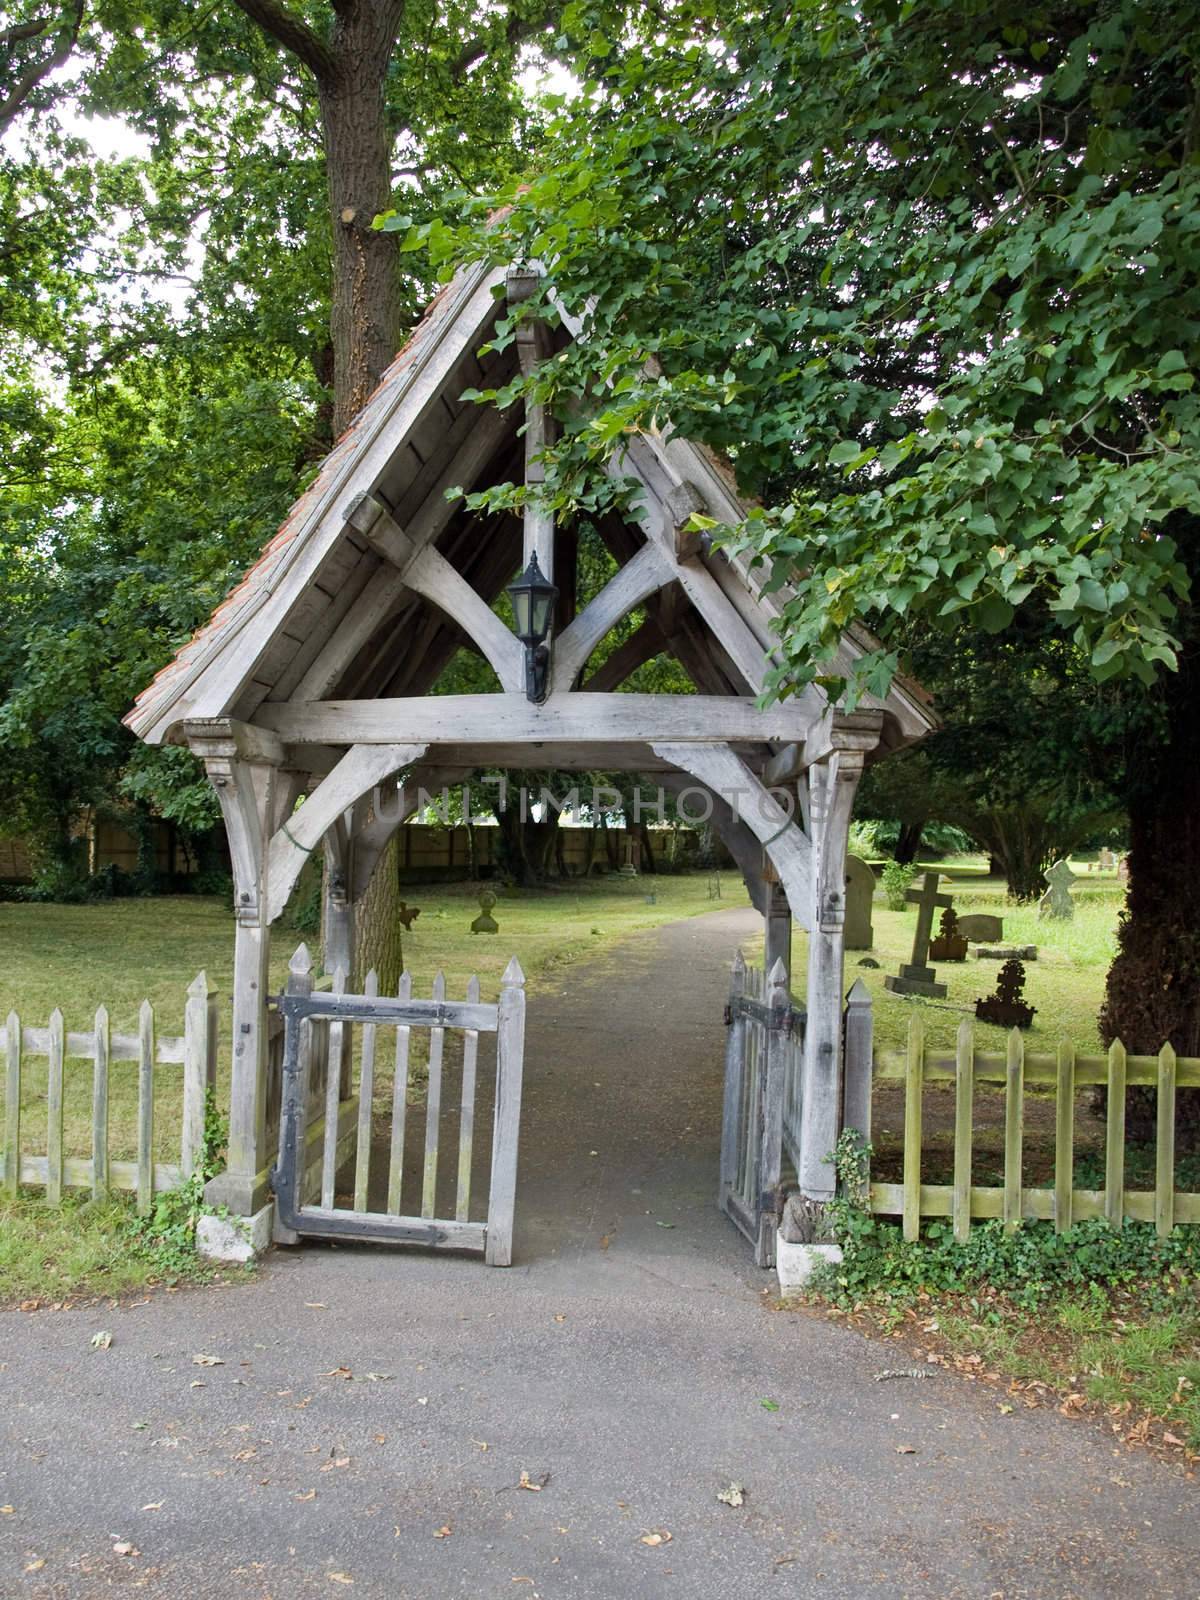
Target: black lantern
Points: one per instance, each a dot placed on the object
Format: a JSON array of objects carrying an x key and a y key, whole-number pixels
[{"x": 533, "y": 597}]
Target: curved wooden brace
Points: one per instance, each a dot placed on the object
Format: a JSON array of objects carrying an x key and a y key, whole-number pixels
[
  {"x": 360, "y": 769},
  {"x": 376, "y": 833},
  {"x": 722, "y": 770},
  {"x": 432, "y": 576},
  {"x": 629, "y": 586}
]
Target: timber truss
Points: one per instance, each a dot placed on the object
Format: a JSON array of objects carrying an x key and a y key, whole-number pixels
[{"x": 308, "y": 693}]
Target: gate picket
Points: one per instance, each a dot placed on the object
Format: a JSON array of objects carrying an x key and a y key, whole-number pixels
[
  {"x": 466, "y": 1125},
  {"x": 433, "y": 1107},
  {"x": 399, "y": 1103},
  {"x": 366, "y": 1095}
]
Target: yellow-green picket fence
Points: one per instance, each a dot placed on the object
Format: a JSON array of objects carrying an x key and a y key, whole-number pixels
[{"x": 1066, "y": 1071}]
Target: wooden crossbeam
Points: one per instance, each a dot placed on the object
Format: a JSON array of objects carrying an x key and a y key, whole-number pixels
[
  {"x": 562, "y": 718},
  {"x": 628, "y": 586}
]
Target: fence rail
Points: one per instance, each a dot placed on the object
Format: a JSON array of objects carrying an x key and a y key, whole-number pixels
[
  {"x": 1066, "y": 1072},
  {"x": 195, "y": 1051}
]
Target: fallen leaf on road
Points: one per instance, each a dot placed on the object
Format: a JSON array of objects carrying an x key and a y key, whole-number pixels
[
  {"x": 340, "y": 1577},
  {"x": 155, "y": 1505},
  {"x": 340, "y": 1461},
  {"x": 198, "y": 1383},
  {"x": 376, "y": 1377},
  {"x": 338, "y": 1372},
  {"x": 664, "y": 1224},
  {"x": 479, "y": 1444},
  {"x": 1004, "y": 1409},
  {"x": 7, "y": 1511},
  {"x": 660, "y": 1536},
  {"x": 534, "y": 1485},
  {"x": 734, "y": 1496},
  {"x": 36, "y": 1566},
  {"x": 315, "y": 1305},
  {"x": 1172, "y": 1438},
  {"x": 207, "y": 1361},
  {"x": 769, "y": 1405},
  {"x": 311, "y": 1495},
  {"x": 422, "y": 1399},
  {"x": 443, "y": 1532},
  {"x": 905, "y": 1450},
  {"x": 124, "y": 1548},
  {"x": 102, "y": 1340},
  {"x": 559, "y": 1316}
]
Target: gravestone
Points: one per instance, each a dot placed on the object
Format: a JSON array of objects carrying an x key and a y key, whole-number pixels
[
  {"x": 980, "y": 928},
  {"x": 408, "y": 915},
  {"x": 1012, "y": 952},
  {"x": 1106, "y": 861},
  {"x": 951, "y": 943},
  {"x": 1057, "y": 902},
  {"x": 918, "y": 977},
  {"x": 860, "y": 888},
  {"x": 485, "y": 922},
  {"x": 1123, "y": 869},
  {"x": 1007, "y": 1007}
]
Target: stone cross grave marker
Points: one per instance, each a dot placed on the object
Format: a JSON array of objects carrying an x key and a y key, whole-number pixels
[
  {"x": 1057, "y": 902},
  {"x": 918, "y": 977}
]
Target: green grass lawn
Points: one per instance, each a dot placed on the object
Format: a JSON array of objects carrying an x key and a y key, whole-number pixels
[{"x": 119, "y": 952}]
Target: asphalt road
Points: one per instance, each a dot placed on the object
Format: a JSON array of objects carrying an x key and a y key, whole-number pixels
[{"x": 367, "y": 1428}]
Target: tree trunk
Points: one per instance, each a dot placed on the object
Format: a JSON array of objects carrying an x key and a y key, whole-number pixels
[
  {"x": 909, "y": 842},
  {"x": 1153, "y": 993},
  {"x": 367, "y": 305},
  {"x": 364, "y": 322}
]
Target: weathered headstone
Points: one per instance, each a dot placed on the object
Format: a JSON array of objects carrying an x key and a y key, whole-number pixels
[
  {"x": 1007, "y": 1007},
  {"x": 918, "y": 977},
  {"x": 950, "y": 944},
  {"x": 1057, "y": 902},
  {"x": 1123, "y": 869},
  {"x": 485, "y": 922},
  {"x": 1012, "y": 952},
  {"x": 978, "y": 927},
  {"x": 860, "y": 888},
  {"x": 1106, "y": 861}
]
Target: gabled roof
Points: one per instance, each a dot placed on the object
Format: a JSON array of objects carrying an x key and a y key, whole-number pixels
[{"x": 322, "y": 612}]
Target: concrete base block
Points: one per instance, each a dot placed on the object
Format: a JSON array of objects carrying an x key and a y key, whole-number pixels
[
  {"x": 796, "y": 1263},
  {"x": 235, "y": 1238}
]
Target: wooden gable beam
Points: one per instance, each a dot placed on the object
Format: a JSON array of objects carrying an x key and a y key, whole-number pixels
[
  {"x": 534, "y": 344},
  {"x": 427, "y": 572},
  {"x": 511, "y": 718},
  {"x": 837, "y": 730}
]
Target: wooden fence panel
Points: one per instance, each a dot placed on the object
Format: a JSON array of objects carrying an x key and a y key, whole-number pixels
[
  {"x": 195, "y": 1050},
  {"x": 1065, "y": 1073}
]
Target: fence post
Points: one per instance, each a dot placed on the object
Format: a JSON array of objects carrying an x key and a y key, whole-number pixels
[
  {"x": 860, "y": 1034},
  {"x": 102, "y": 1049},
  {"x": 198, "y": 1014},
  {"x": 770, "y": 1161},
  {"x": 964, "y": 1109},
  {"x": 145, "y": 1156},
  {"x": 12, "y": 1106},
  {"x": 914, "y": 1073},
  {"x": 510, "y": 1059},
  {"x": 1114, "y": 1143},
  {"x": 54, "y": 1111},
  {"x": 1164, "y": 1176},
  {"x": 735, "y": 1073},
  {"x": 1014, "y": 1129}
]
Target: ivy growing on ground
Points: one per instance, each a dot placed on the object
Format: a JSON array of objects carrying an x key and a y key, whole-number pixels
[
  {"x": 167, "y": 1236},
  {"x": 1030, "y": 1265}
]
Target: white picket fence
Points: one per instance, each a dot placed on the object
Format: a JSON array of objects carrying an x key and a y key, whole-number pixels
[{"x": 54, "y": 1171}]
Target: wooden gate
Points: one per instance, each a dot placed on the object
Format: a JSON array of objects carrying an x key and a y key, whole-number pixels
[
  {"x": 316, "y": 1080},
  {"x": 761, "y": 1114}
]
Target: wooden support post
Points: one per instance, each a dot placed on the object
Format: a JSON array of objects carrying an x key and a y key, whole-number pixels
[
  {"x": 243, "y": 764},
  {"x": 833, "y": 783}
]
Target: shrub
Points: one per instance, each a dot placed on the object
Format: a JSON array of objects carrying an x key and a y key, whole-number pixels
[{"x": 896, "y": 879}]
